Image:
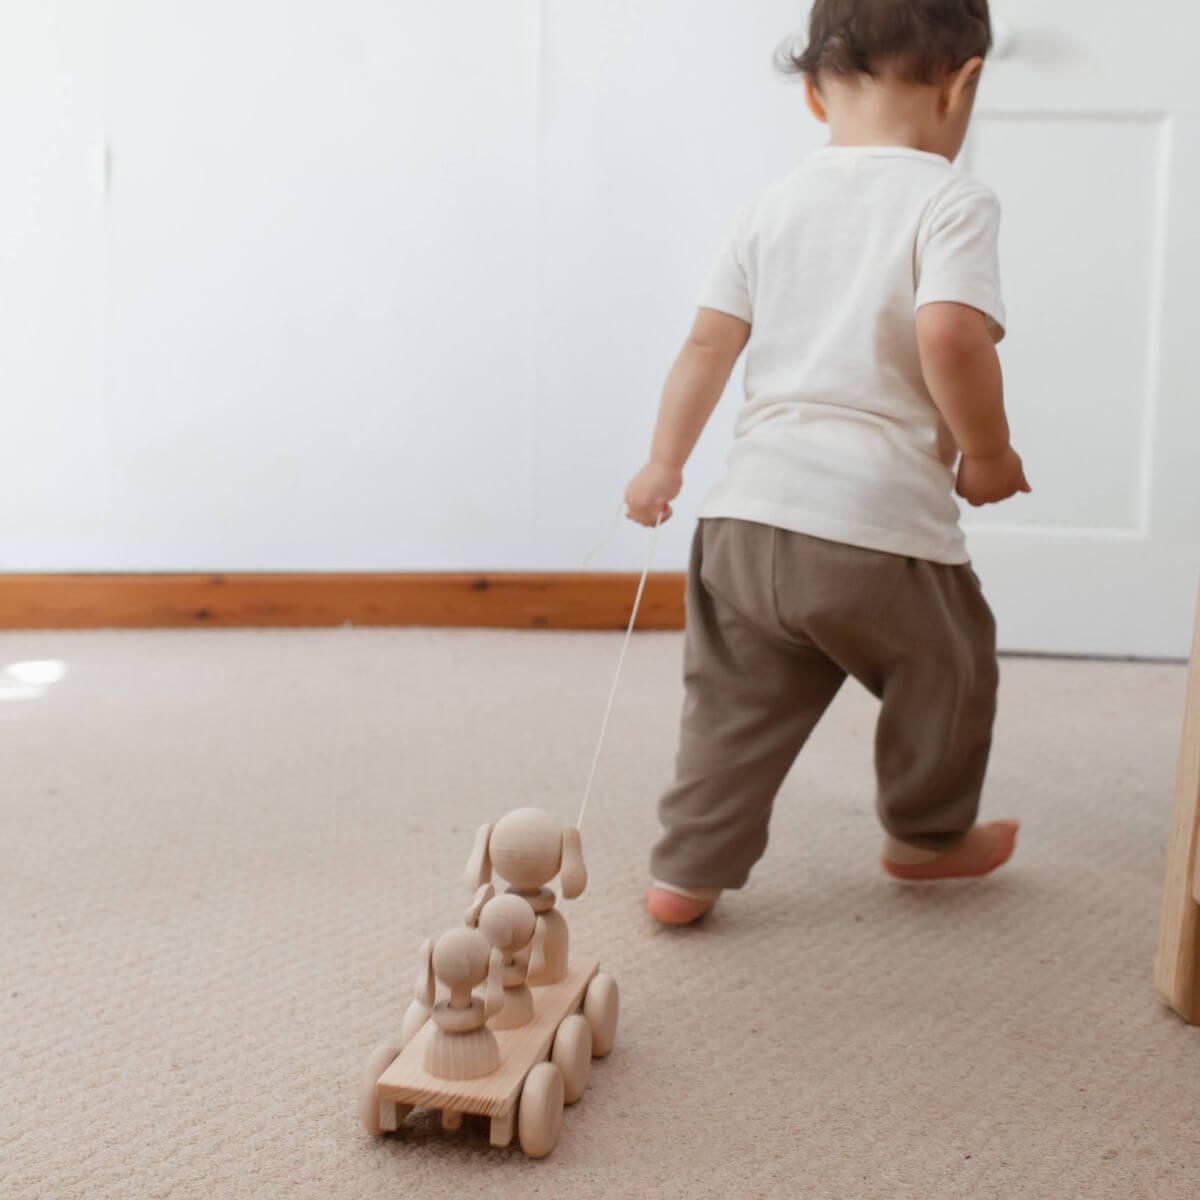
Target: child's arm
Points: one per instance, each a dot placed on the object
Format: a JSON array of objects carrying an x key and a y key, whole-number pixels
[
  {"x": 693, "y": 387},
  {"x": 962, "y": 371}
]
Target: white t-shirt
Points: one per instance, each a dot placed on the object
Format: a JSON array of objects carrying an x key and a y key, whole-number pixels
[{"x": 839, "y": 437}]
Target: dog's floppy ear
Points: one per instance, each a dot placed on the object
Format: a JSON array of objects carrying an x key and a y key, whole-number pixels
[
  {"x": 479, "y": 865},
  {"x": 426, "y": 989},
  {"x": 493, "y": 1000},
  {"x": 482, "y": 895},
  {"x": 574, "y": 873}
]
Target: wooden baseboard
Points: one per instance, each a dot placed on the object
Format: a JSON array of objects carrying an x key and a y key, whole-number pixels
[{"x": 499, "y": 601}]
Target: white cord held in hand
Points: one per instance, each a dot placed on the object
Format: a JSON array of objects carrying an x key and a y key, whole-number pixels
[{"x": 612, "y": 695}]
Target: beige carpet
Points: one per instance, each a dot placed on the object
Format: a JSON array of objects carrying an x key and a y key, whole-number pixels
[{"x": 218, "y": 853}]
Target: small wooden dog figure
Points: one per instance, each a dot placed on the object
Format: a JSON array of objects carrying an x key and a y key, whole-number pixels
[
  {"x": 529, "y": 847},
  {"x": 509, "y": 924},
  {"x": 462, "y": 1046}
]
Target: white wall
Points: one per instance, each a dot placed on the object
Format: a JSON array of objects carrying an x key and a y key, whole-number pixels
[
  {"x": 375, "y": 285},
  {"x": 55, "y": 454}
]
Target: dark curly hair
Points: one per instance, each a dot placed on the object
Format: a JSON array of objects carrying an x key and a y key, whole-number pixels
[{"x": 921, "y": 40}]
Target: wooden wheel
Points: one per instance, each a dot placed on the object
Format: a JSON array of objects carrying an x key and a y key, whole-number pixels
[
  {"x": 572, "y": 1055},
  {"x": 380, "y": 1059},
  {"x": 601, "y": 1006},
  {"x": 539, "y": 1118}
]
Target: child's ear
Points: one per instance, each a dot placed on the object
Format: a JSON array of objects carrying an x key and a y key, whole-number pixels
[
  {"x": 812, "y": 98},
  {"x": 960, "y": 87},
  {"x": 574, "y": 873},
  {"x": 479, "y": 865}
]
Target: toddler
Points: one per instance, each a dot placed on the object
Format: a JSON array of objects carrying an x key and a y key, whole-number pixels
[{"x": 865, "y": 290}]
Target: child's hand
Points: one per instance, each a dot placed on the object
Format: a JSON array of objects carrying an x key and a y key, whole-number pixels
[
  {"x": 650, "y": 492},
  {"x": 990, "y": 480}
]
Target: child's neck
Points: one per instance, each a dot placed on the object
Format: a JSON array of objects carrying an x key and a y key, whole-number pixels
[{"x": 870, "y": 112}]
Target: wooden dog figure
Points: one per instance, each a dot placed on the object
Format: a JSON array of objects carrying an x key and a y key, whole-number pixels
[
  {"x": 509, "y": 924},
  {"x": 462, "y": 1046},
  {"x": 529, "y": 847}
]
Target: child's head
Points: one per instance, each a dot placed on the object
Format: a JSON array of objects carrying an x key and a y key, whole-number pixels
[{"x": 920, "y": 56}]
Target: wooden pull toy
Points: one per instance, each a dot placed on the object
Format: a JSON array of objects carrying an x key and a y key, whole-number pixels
[{"x": 514, "y": 1055}]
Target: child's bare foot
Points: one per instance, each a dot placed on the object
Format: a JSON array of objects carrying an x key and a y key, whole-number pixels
[
  {"x": 673, "y": 909},
  {"x": 984, "y": 849}
]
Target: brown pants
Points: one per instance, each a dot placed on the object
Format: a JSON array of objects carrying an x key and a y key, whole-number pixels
[{"x": 775, "y": 622}]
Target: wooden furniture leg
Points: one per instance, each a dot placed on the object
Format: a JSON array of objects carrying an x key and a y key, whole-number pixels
[{"x": 1177, "y": 967}]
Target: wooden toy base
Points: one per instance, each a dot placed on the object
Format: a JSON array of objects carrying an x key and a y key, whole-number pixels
[{"x": 405, "y": 1084}]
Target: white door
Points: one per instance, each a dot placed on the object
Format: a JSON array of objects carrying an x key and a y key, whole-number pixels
[{"x": 1088, "y": 126}]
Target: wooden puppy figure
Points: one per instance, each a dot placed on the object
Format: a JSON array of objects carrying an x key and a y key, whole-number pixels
[
  {"x": 509, "y": 924},
  {"x": 529, "y": 847},
  {"x": 462, "y": 1046}
]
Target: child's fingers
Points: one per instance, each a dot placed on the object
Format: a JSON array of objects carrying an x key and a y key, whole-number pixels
[{"x": 649, "y": 514}]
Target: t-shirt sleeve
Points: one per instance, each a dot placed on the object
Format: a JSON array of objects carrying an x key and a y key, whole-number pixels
[
  {"x": 727, "y": 288},
  {"x": 958, "y": 256}
]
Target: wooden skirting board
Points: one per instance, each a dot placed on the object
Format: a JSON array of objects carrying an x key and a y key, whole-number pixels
[{"x": 492, "y": 601}]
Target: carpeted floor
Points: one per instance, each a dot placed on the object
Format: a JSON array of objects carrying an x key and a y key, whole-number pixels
[{"x": 219, "y": 851}]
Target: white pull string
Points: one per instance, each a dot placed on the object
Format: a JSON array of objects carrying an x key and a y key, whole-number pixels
[
  {"x": 612, "y": 695},
  {"x": 608, "y": 537}
]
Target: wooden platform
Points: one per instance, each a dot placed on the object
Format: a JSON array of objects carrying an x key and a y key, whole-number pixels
[{"x": 407, "y": 1082}]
